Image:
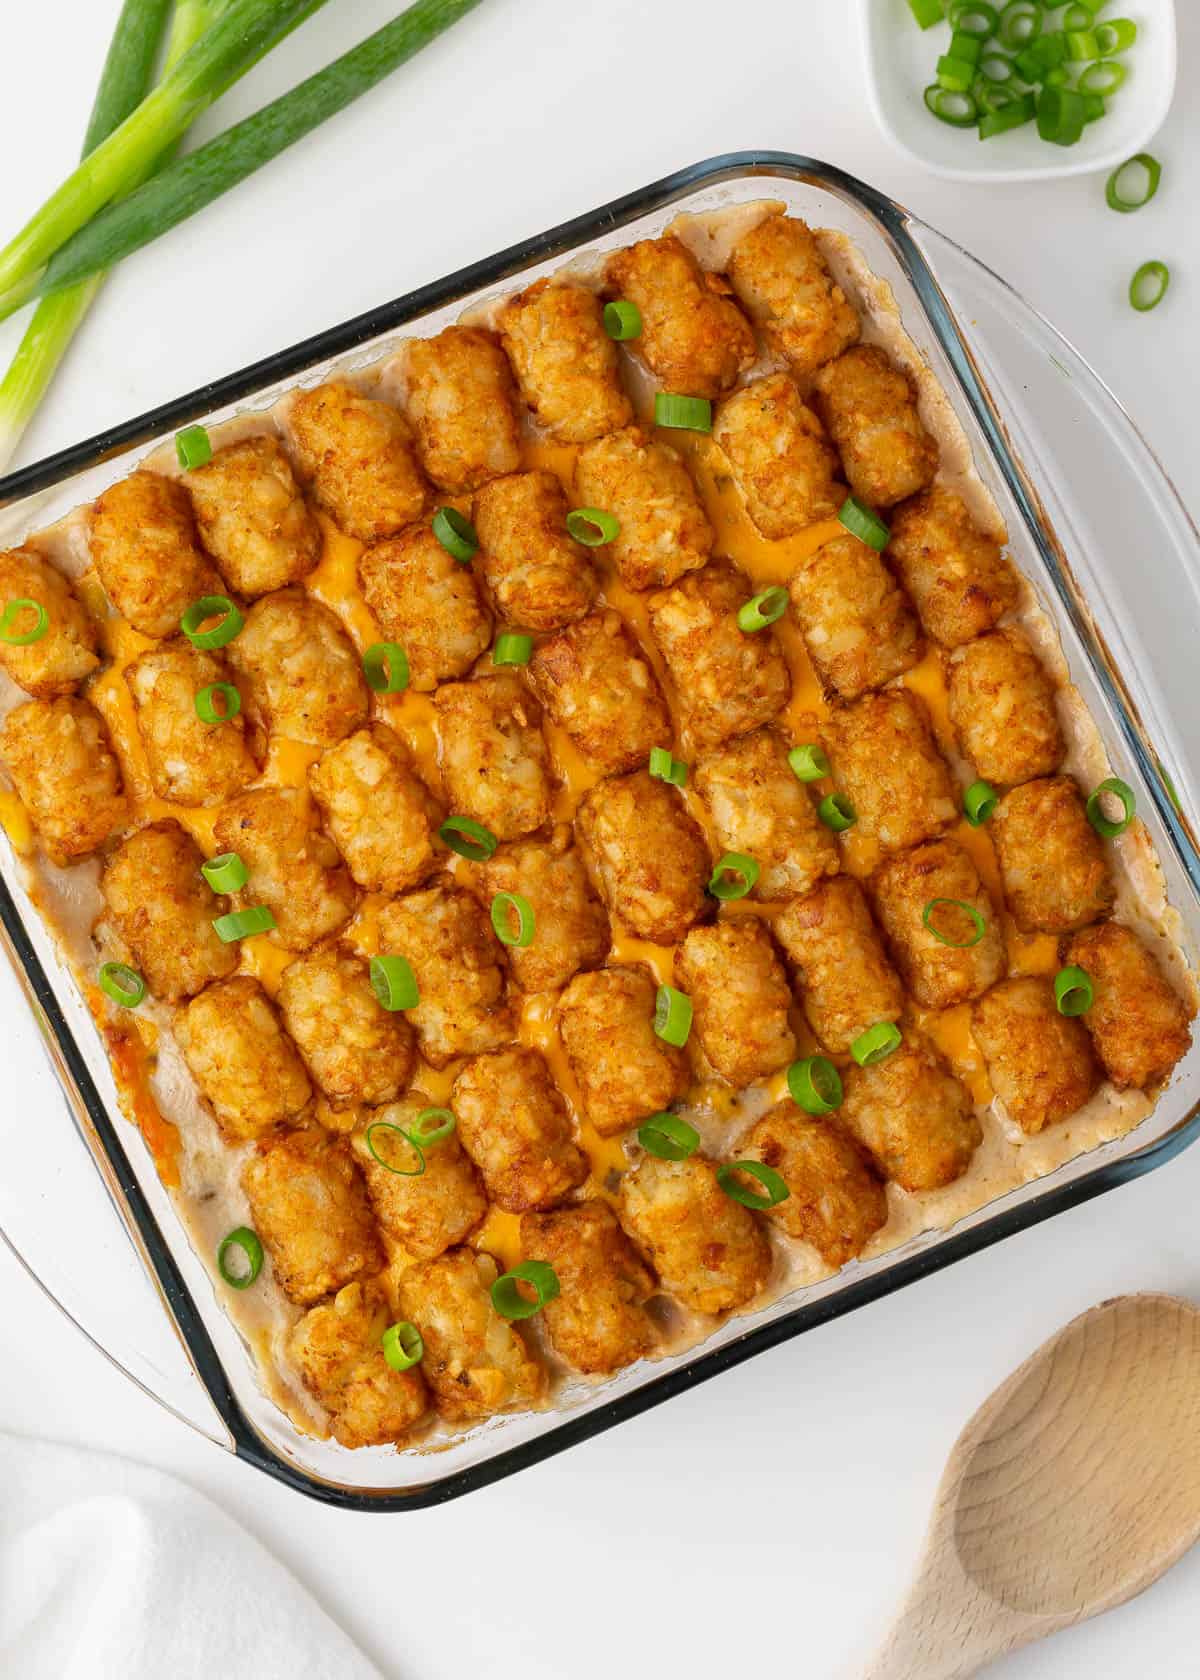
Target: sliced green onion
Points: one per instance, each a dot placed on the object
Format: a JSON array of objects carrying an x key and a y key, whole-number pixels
[
  {"x": 1058, "y": 77},
  {"x": 124, "y": 985},
  {"x": 1082, "y": 45},
  {"x": 837, "y": 813},
  {"x": 927, "y": 12},
  {"x": 1093, "y": 107},
  {"x": 507, "y": 1297},
  {"x": 1115, "y": 788},
  {"x": 1073, "y": 991},
  {"x": 432, "y": 1125},
  {"x": 1149, "y": 285},
  {"x": 10, "y": 635},
  {"x": 385, "y": 666},
  {"x": 505, "y": 906},
  {"x": 1029, "y": 66},
  {"x": 593, "y": 527},
  {"x": 1020, "y": 23},
  {"x": 965, "y": 46},
  {"x": 1013, "y": 113},
  {"x": 761, "y": 610},
  {"x": 402, "y": 1346},
  {"x": 979, "y": 801},
  {"x": 512, "y": 648},
  {"x": 247, "y": 1244},
  {"x": 774, "y": 1189},
  {"x": 226, "y": 873},
  {"x": 1103, "y": 78},
  {"x": 394, "y": 983},
  {"x": 664, "y": 768},
  {"x": 207, "y": 708},
  {"x": 991, "y": 96},
  {"x": 468, "y": 838},
  {"x": 979, "y": 926},
  {"x": 668, "y": 1137},
  {"x": 193, "y": 447},
  {"x": 456, "y": 534},
  {"x": 960, "y": 110},
  {"x": 862, "y": 523},
  {"x": 734, "y": 877},
  {"x": 219, "y": 635},
  {"x": 672, "y": 1016},
  {"x": 955, "y": 75},
  {"x": 622, "y": 320},
  {"x": 1077, "y": 17},
  {"x": 1050, "y": 49},
  {"x": 876, "y": 1044},
  {"x": 243, "y": 924},
  {"x": 815, "y": 1085},
  {"x": 1122, "y": 192},
  {"x": 1060, "y": 115},
  {"x": 974, "y": 17},
  {"x": 808, "y": 762},
  {"x": 683, "y": 414},
  {"x": 996, "y": 67},
  {"x": 1115, "y": 35},
  {"x": 390, "y": 1166}
]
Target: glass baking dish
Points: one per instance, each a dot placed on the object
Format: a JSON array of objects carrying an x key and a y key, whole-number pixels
[{"x": 1094, "y": 523}]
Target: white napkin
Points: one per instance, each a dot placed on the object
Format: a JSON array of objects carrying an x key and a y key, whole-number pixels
[{"x": 112, "y": 1571}]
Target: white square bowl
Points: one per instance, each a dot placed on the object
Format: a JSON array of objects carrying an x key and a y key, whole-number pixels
[{"x": 900, "y": 66}]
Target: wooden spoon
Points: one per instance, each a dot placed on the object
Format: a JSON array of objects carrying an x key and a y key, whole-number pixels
[{"x": 1071, "y": 1490}]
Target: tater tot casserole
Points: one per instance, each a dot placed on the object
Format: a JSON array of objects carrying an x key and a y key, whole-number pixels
[{"x": 576, "y": 830}]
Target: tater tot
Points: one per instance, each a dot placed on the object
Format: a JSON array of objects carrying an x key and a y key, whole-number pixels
[
  {"x": 494, "y": 758},
  {"x": 190, "y": 762},
  {"x": 426, "y": 1213},
  {"x": 310, "y": 1208},
  {"x": 294, "y": 869},
  {"x": 848, "y": 982},
  {"x": 253, "y": 519},
  {"x": 694, "y": 338},
  {"x": 461, "y": 401},
  {"x": 476, "y": 1362},
  {"x": 514, "y": 1124},
  {"x": 870, "y": 411},
  {"x": 571, "y": 929},
  {"x": 1056, "y": 875},
  {"x": 144, "y": 547},
  {"x": 912, "y": 1115},
  {"x": 1002, "y": 707},
  {"x": 596, "y": 683},
  {"x": 1041, "y": 1064},
  {"x": 337, "y": 1349},
  {"x": 597, "y": 1321},
  {"x": 647, "y": 854},
  {"x": 835, "y": 1201},
  {"x": 781, "y": 459},
  {"x": 66, "y": 652},
  {"x": 664, "y": 530},
  {"x": 624, "y": 1071},
  {"x": 538, "y": 575},
  {"x": 727, "y": 680},
  {"x": 856, "y": 621},
  {"x": 886, "y": 763},
  {"x": 355, "y": 1050},
  {"x": 782, "y": 282},
  {"x": 298, "y": 669},
  {"x": 244, "y": 1063},
  {"x": 456, "y": 958},
  {"x": 62, "y": 765},
  {"x": 423, "y": 599},
  {"x": 379, "y": 812},
  {"x": 759, "y": 808},
  {"x": 740, "y": 996},
  {"x": 1138, "y": 1021},
  {"x": 708, "y": 1250},
  {"x": 356, "y": 458},
  {"x": 163, "y": 908},
  {"x": 959, "y": 580},
  {"x": 566, "y": 364},
  {"x": 939, "y": 972}
]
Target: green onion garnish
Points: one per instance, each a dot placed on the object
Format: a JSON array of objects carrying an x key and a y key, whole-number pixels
[
  {"x": 622, "y": 320},
  {"x": 1149, "y": 285},
  {"x": 1077, "y": 17},
  {"x": 1082, "y": 45},
  {"x": 808, "y": 762},
  {"x": 10, "y": 635},
  {"x": 507, "y": 1297},
  {"x": 243, "y": 924},
  {"x": 1115, "y": 35},
  {"x": 955, "y": 75},
  {"x": 837, "y": 813},
  {"x": 876, "y": 1044},
  {"x": 1020, "y": 23},
  {"x": 862, "y": 523},
  {"x": 1115, "y": 788},
  {"x": 1073, "y": 991},
  {"x": 979, "y": 926},
  {"x": 394, "y": 983},
  {"x": 385, "y": 666},
  {"x": 734, "y": 877},
  {"x": 664, "y": 768},
  {"x": 592, "y": 526},
  {"x": 512, "y": 648},
  {"x": 965, "y": 46},
  {"x": 761, "y": 610},
  {"x": 1103, "y": 79},
  {"x": 974, "y": 17},
  {"x": 815, "y": 1085},
  {"x": 1093, "y": 106},
  {"x": 193, "y": 447},
  {"x": 248, "y": 1246},
  {"x": 996, "y": 68},
  {"x": 774, "y": 1188},
  {"x": 226, "y": 873},
  {"x": 979, "y": 801},
  {"x": 456, "y": 534},
  {"x": 402, "y": 1346},
  {"x": 506, "y": 906},
  {"x": 397, "y": 1131},
  {"x": 672, "y": 1016},
  {"x": 208, "y": 710},
  {"x": 1060, "y": 115},
  {"x": 124, "y": 985},
  {"x": 668, "y": 1137},
  {"x": 432, "y": 1125},
  {"x": 1015, "y": 114},
  {"x": 927, "y": 12},
  {"x": 468, "y": 838},
  {"x": 684, "y": 414},
  {"x": 960, "y": 110},
  {"x": 219, "y": 635}
]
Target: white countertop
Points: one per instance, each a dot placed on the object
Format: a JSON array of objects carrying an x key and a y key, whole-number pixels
[{"x": 772, "y": 1515}]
